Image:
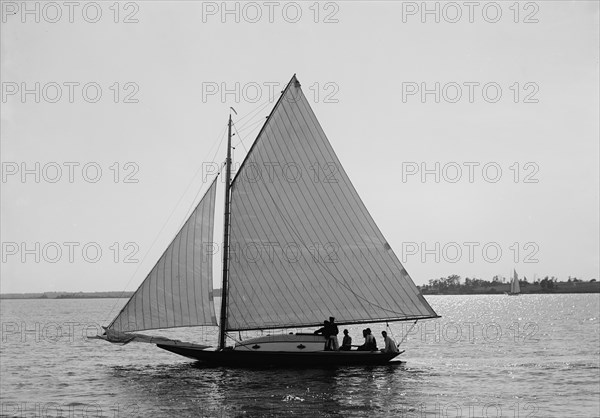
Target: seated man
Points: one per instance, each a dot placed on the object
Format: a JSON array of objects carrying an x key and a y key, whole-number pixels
[
  {"x": 346, "y": 342},
  {"x": 390, "y": 344},
  {"x": 364, "y": 347},
  {"x": 370, "y": 342}
]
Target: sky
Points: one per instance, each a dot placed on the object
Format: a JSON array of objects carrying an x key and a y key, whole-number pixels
[{"x": 470, "y": 132}]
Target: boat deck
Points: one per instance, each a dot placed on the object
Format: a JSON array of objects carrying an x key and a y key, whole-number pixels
[{"x": 230, "y": 357}]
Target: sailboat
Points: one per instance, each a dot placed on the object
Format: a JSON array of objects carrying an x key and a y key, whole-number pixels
[
  {"x": 515, "y": 288},
  {"x": 326, "y": 258}
]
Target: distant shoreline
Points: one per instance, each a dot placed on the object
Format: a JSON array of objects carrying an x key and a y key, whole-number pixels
[
  {"x": 502, "y": 288},
  {"x": 66, "y": 295},
  {"x": 76, "y": 295},
  {"x": 557, "y": 292},
  {"x": 531, "y": 289}
]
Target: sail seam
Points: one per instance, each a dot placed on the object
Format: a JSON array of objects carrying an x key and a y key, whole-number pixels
[
  {"x": 269, "y": 133},
  {"x": 191, "y": 275},
  {"x": 357, "y": 203},
  {"x": 323, "y": 266},
  {"x": 372, "y": 223},
  {"x": 350, "y": 204},
  {"x": 251, "y": 265},
  {"x": 304, "y": 197},
  {"x": 316, "y": 205}
]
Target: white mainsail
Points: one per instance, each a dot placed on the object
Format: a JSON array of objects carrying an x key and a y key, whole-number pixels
[
  {"x": 514, "y": 284},
  {"x": 303, "y": 245},
  {"x": 178, "y": 290}
]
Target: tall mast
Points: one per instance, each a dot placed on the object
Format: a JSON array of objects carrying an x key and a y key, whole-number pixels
[{"x": 223, "y": 323}]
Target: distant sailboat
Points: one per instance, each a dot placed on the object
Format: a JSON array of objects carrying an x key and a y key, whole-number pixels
[
  {"x": 515, "y": 288},
  {"x": 328, "y": 257}
]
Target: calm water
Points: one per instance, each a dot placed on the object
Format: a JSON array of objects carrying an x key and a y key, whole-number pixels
[{"x": 532, "y": 355}]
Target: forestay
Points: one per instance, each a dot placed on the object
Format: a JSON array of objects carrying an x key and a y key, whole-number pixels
[
  {"x": 303, "y": 245},
  {"x": 178, "y": 290}
]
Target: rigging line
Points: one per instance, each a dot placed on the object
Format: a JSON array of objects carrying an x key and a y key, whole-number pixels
[
  {"x": 391, "y": 332},
  {"x": 193, "y": 205},
  {"x": 168, "y": 219},
  {"x": 406, "y": 335},
  {"x": 254, "y": 110},
  {"x": 340, "y": 282},
  {"x": 252, "y": 125},
  {"x": 240, "y": 137},
  {"x": 252, "y": 122},
  {"x": 257, "y": 109},
  {"x": 233, "y": 338},
  {"x": 252, "y": 129}
]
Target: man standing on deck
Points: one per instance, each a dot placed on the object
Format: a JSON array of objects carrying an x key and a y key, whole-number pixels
[
  {"x": 325, "y": 331},
  {"x": 333, "y": 333}
]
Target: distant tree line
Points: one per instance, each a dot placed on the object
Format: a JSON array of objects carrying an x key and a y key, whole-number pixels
[
  {"x": 454, "y": 284},
  {"x": 66, "y": 295}
]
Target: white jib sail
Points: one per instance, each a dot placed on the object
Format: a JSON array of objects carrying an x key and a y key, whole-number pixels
[
  {"x": 303, "y": 245},
  {"x": 178, "y": 290}
]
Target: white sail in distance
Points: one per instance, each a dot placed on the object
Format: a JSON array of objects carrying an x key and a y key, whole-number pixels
[
  {"x": 178, "y": 290},
  {"x": 303, "y": 245},
  {"x": 515, "y": 287}
]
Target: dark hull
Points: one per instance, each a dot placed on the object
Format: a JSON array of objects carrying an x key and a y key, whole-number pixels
[{"x": 277, "y": 358}]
